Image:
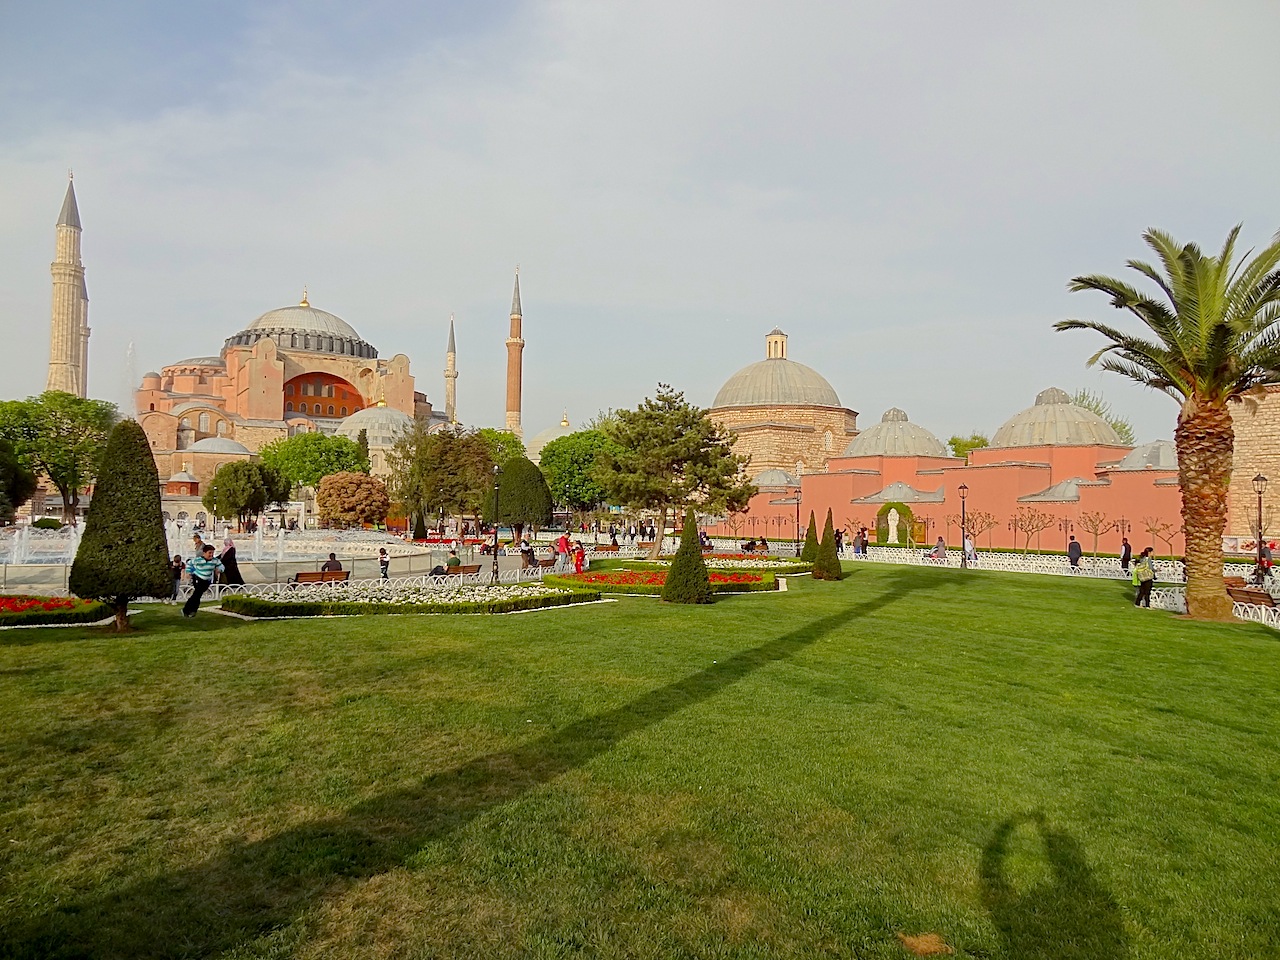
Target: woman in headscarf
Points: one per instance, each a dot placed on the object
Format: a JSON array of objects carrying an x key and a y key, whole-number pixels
[{"x": 228, "y": 558}]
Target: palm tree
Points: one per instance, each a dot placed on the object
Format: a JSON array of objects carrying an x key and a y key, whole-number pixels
[{"x": 1217, "y": 341}]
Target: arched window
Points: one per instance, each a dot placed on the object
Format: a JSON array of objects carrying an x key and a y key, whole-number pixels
[
  {"x": 302, "y": 408},
  {"x": 827, "y": 440},
  {"x": 288, "y": 391},
  {"x": 344, "y": 411},
  {"x": 799, "y": 468},
  {"x": 183, "y": 515},
  {"x": 289, "y": 407},
  {"x": 153, "y": 406},
  {"x": 293, "y": 339},
  {"x": 331, "y": 409},
  {"x": 204, "y": 423},
  {"x": 222, "y": 427}
]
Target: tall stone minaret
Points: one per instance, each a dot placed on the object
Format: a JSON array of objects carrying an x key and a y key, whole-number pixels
[
  {"x": 451, "y": 378},
  {"x": 69, "y": 326},
  {"x": 515, "y": 363}
]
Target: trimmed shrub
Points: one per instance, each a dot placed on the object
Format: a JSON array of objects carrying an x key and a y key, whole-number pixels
[
  {"x": 687, "y": 580},
  {"x": 809, "y": 552},
  {"x": 124, "y": 554},
  {"x": 827, "y": 564},
  {"x": 47, "y": 523},
  {"x": 258, "y": 607}
]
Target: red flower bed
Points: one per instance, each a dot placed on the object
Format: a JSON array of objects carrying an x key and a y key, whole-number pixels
[
  {"x": 15, "y": 611},
  {"x": 25, "y": 604}
]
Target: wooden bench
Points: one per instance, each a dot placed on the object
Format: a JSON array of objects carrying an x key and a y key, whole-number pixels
[
  {"x": 607, "y": 548},
  {"x": 1233, "y": 581},
  {"x": 321, "y": 576},
  {"x": 548, "y": 563},
  {"x": 462, "y": 570},
  {"x": 1246, "y": 595}
]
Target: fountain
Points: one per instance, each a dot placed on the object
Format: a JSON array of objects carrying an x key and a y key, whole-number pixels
[
  {"x": 257, "y": 542},
  {"x": 280, "y": 545}
]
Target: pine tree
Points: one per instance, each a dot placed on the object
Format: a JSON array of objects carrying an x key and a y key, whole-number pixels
[
  {"x": 124, "y": 554},
  {"x": 810, "y": 551},
  {"x": 826, "y": 566},
  {"x": 687, "y": 580},
  {"x": 523, "y": 497}
]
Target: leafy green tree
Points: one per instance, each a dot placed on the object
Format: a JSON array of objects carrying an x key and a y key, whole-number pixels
[
  {"x": 123, "y": 554},
  {"x": 826, "y": 565},
  {"x": 307, "y": 458},
  {"x": 502, "y": 444},
  {"x": 809, "y": 552},
  {"x": 671, "y": 455},
  {"x": 349, "y": 499},
  {"x": 523, "y": 497},
  {"x": 242, "y": 489},
  {"x": 687, "y": 578},
  {"x": 960, "y": 446},
  {"x": 446, "y": 471},
  {"x": 62, "y": 437},
  {"x": 568, "y": 464},
  {"x": 1215, "y": 323},
  {"x": 1095, "y": 403},
  {"x": 17, "y": 483}
]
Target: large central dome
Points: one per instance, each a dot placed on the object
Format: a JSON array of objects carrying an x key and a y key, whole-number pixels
[
  {"x": 303, "y": 327},
  {"x": 776, "y": 382}
]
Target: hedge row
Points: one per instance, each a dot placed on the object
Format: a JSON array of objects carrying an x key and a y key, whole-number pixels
[
  {"x": 655, "y": 589},
  {"x": 257, "y": 607},
  {"x": 38, "y": 618}
]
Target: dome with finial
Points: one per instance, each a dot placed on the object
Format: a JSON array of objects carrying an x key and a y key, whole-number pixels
[
  {"x": 303, "y": 327},
  {"x": 1054, "y": 420},
  {"x": 776, "y": 381},
  {"x": 533, "y": 449},
  {"x": 896, "y": 436}
]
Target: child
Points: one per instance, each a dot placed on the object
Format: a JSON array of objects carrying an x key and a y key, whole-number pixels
[{"x": 176, "y": 568}]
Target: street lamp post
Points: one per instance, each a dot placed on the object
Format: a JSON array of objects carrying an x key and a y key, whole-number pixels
[
  {"x": 496, "y": 471},
  {"x": 964, "y": 549},
  {"x": 798, "y": 523},
  {"x": 1066, "y": 527},
  {"x": 1260, "y": 487}
]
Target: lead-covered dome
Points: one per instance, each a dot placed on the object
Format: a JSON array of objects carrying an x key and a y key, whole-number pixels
[
  {"x": 303, "y": 327},
  {"x": 533, "y": 449},
  {"x": 1157, "y": 455},
  {"x": 1055, "y": 421},
  {"x": 218, "y": 445},
  {"x": 776, "y": 382},
  {"x": 896, "y": 436},
  {"x": 382, "y": 426}
]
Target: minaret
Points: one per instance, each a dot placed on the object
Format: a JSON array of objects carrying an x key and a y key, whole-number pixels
[
  {"x": 515, "y": 351},
  {"x": 451, "y": 378},
  {"x": 69, "y": 326}
]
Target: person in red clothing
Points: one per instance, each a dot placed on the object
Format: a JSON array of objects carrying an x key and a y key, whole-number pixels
[
  {"x": 579, "y": 557},
  {"x": 562, "y": 549}
]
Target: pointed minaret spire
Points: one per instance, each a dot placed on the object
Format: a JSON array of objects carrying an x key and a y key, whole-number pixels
[
  {"x": 69, "y": 321},
  {"x": 515, "y": 363},
  {"x": 451, "y": 378}
]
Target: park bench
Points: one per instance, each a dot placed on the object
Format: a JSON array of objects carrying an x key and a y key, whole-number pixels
[
  {"x": 610, "y": 548},
  {"x": 549, "y": 562},
  {"x": 1233, "y": 581},
  {"x": 1246, "y": 595},
  {"x": 462, "y": 570},
  {"x": 321, "y": 576}
]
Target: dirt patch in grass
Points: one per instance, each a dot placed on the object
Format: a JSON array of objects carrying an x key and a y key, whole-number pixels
[{"x": 925, "y": 944}]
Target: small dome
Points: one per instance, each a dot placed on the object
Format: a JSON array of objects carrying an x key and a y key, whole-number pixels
[
  {"x": 896, "y": 436},
  {"x": 533, "y": 449},
  {"x": 303, "y": 327},
  {"x": 1157, "y": 455},
  {"x": 1055, "y": 421},
  {"x": 775, "y": 478},
  {"x": 382, "y": 426},
  {"x": 149, "y": 374},
  {"x": 217, "y": 445},
  {"x": 183, "y": 477}
]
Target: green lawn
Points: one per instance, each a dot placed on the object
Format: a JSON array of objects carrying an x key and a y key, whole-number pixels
[{"x": 1026, "y": 766}]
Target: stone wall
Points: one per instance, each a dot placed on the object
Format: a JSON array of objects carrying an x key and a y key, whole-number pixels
[
  {"x": 1257, "y": 452},
  {"x": 797, "y": 439}
]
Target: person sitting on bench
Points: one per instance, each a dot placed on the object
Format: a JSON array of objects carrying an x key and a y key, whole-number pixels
[{"x": 331, "y": 564}]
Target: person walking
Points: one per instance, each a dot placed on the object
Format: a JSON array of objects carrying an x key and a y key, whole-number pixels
[
  {"x": 1144, "y": 578},
  {"x": 384, "y": 563},
  {"x": 202, "y": 570},
  {"x": 176, "y": 568},
  {"x": 1126, "y": 554},
  {"x": 230, "y": 567},
  {"x": 1074, "y": 551}
]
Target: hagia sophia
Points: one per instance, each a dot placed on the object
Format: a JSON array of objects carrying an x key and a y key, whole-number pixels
[{"x": 300, "y": 369}]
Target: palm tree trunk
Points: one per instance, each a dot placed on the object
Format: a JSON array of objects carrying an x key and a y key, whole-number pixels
[{"x": 1205, "y": 440}]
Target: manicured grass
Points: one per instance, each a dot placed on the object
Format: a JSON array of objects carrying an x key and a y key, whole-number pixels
[{"x": 1027, "y": 766}]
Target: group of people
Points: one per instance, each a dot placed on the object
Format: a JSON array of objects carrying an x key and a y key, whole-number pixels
[{"x": 205, "y": 567}]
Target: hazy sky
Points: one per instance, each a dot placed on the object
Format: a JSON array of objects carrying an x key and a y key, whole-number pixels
[{"x": 904, "y": 188}]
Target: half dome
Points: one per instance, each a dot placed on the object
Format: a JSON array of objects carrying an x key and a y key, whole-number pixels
[
  {"x": 896, "y": 436},
  {"x": 1055, "y": 421}
]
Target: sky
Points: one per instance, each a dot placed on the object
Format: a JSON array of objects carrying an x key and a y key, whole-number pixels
[{"x": 905, "y": 189}]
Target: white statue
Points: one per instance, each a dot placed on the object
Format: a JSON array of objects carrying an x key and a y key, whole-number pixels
[{"x": 893, "y": 524}]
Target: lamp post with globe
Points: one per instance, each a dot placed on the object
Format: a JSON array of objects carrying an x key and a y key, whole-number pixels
[
  {"x": 1260, "y": 487},
  {"x": 964, "y": 542}
]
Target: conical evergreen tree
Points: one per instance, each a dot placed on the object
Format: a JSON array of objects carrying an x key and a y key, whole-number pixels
[
  {"x": 827, "y": 564},
  {"x": 124, "y": 554},
  {"x": 419, "y": 527},
  {"x": 687, "y": 580},
  {"x": 810, "y": 551}
]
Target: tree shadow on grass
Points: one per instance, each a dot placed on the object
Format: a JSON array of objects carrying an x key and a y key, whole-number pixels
[
  {"x": 247, "y": 889},
  {"x": 1069, "y": 915}
]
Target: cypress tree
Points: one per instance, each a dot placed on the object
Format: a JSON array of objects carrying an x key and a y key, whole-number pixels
[
  {"x": 687, "y": 580},
  {"x": 123, "y": 554},
  {"x": 810, "y": 551},
  {"x": 826, "y": 566}
]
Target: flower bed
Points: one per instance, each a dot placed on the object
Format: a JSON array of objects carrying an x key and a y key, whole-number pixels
[
  {"x": 743, "y": 561},
  {"x": 651, "y": 582},
  {"x": 461, "y": 599},
  {"x": 22, "y": 611}
]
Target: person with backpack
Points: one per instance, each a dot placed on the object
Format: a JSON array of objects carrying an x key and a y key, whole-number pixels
[{"x": 1144, "y": 578}]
